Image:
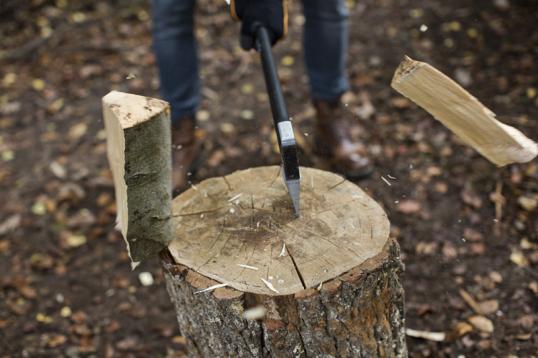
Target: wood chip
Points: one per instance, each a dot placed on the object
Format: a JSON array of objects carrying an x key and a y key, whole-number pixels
[
  {"x": 255, "y": 313},
  {"x": 248, "y": 267},
  {"x": 386, "y": 181},
  {"x": 235, "y": 197},
  {"x": 283, "y": 251},
  {"x": 211, "y": 288},
  {"x": 269, "y": 285},
  {"x": 430, "y": 336}
]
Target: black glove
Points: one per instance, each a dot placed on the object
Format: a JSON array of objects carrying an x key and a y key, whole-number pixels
[{"x": 272, "y": 14}]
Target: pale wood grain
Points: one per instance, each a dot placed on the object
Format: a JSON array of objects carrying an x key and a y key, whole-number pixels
[
  {"x": 462, "y": 113},
  {"x": 340, "y": 227}
]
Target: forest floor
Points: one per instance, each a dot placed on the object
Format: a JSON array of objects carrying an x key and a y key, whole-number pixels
[{"x": 468, "y": 230}]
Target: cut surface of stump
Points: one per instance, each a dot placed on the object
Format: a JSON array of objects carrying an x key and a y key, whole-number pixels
[
  {"x": 326, "y": 284},
  {"x": 240, "y": 230}
]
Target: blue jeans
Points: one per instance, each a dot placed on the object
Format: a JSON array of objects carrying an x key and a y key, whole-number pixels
[{"x": 325, "y": 48}]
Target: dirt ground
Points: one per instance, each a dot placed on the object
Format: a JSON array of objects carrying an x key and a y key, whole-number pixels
[{"x": 468, "y": 230}]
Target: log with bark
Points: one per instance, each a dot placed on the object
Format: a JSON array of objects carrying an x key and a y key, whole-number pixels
[
  {"x": 139, "y": 154},
  {"x": 248, "y": 279}
]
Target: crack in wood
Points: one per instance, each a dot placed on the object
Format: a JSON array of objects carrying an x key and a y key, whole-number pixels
[{"x": 296, "y": 267}]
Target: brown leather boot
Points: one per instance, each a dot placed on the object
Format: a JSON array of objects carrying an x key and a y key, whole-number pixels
[
  {"x": 186, "y": 144},
  {"x": 334, "y": 141}
]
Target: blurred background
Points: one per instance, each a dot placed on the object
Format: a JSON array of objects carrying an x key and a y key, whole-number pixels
[{"x": 468, "y": 230}]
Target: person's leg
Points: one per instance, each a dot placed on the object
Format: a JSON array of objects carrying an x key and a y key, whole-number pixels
[
  {"x": 325, "y": 47},
  {"x": 175, "y": 48}
]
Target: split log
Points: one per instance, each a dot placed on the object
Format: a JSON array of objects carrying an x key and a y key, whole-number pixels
[
  {"x": 139, "y": 154},
  {"x": 462, "y": 113},
  {"x": 326, "y": 284}
]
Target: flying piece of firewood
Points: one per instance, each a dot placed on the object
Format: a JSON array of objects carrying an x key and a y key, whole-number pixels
[{"x": 462, "y": 113}]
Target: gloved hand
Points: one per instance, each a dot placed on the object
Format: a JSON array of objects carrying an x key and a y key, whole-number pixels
[{"x": 272, "y": 14}]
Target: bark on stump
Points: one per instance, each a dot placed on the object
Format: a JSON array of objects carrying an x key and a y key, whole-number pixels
[{"x": 324, "y": 285}]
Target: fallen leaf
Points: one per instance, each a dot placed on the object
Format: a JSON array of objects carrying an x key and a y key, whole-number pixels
[
  {"x": 496, "y": 277},
  {"x": 27, "y": 292},
  {"x": 525, "y": 244},
  {"x": 216, "y": 158},
  {"x": 74, "y": 240},
  {"x": 523, "y": 336},
  {"x": 82, "y": 218},
  {"x": 481, "y": 323},
  {"x": 56, "y": 340},
  {"x": 247, "y": 114},
  {"x": 471, "y": 234},
  {"x": 10, "y": 224},
  {"x": 400, "y": 102},
  {"x": 66, "y": 311},
  {"x": 287, "y": 61},
  {"x": 103, "y": 199},
  {"x": 426, "y": 248},
  {"x": 460, "y": 329},
  {"x": 527, "y": 202},
  {"x": 39, "y": 208},
  {"x": 77, "y": 131},
  {"x": 38, "y": 84},
  {"x": 227, "y": 128},
  {"x": 179, "y": 340},
  {"x": 533, "y": 286},
  {"x": 247, "y": 88},
  {"x": 489, "y": 306},
  {"x": 518, "y": 258},
  {"x": 471, "y": 199},
  {"x": 41, "y": 261},
  {"x": 58, "y": 170},
  {"x": 409, "y": 206},
  {"x": 470, "y": 301},
  {"x": 43, "y": 318},
  {"x": 526, "y": 321},
  {"x": 449, "y": 251},
  {"x": 56, "y": 105},
  {"x": 477, "y": 248},
  {"x": 128, "y": 343},
  {"x": 8, "y": 155},
  {"x": 203, "y": 115}
]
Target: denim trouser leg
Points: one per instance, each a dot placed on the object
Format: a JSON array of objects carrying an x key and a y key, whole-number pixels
[
  {"x": 325, "y": 46},
  {"x": 175, "y": 48}
]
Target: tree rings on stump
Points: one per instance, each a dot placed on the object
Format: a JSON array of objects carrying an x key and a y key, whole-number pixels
[{"x": 325, "y": 284}]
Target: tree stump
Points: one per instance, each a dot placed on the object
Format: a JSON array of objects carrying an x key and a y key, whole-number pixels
[{"x": 323, "y": 285}]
